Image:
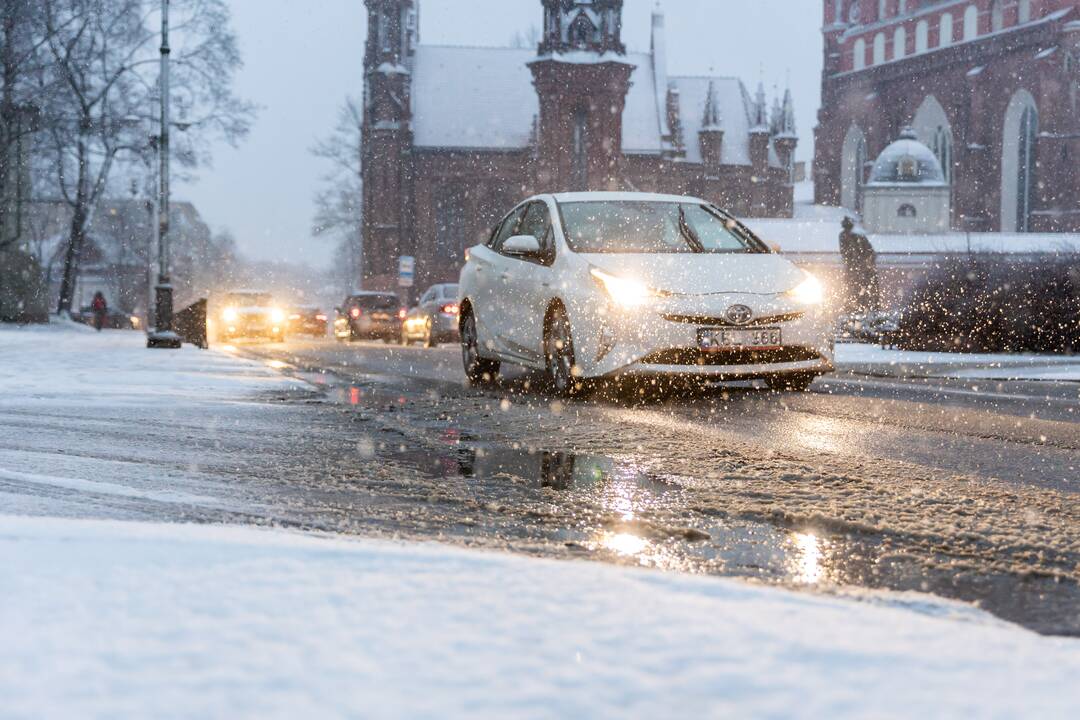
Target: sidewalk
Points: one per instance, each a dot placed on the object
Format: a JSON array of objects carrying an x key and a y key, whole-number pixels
[
  {"x": 106, "y": 615},
  {"x": 866, "y": 359}
]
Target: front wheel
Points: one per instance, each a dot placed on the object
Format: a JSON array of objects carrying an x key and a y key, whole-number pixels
[
  {"x": 561, "y": 365},
  {"x": 798, "y": 382},
  {"x": 478, "y": 370}
]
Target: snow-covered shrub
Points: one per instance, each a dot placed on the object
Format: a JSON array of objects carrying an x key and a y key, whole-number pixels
[{"x": 995, "y": 303}]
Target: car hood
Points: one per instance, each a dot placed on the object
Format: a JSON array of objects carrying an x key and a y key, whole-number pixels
[{"x": 704, "y": 274}]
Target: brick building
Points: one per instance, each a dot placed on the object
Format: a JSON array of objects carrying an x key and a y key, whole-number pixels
[
  {"x": 990, "y": 85},
  {"x": 454, "y": 136}
]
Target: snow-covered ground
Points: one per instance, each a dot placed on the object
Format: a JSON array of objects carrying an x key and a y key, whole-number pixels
[
  {"x": 104, "y": 619},
  {"x": 993, "y": 366}
]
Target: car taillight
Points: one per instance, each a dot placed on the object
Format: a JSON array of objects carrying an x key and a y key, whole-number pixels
[
  {"x": 355, "y": 312},
  {"x": 402, "y": 313},
  {"x": 450, "y": 309}
]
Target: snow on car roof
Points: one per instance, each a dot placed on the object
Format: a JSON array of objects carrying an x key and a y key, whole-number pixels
[{"x": 577, "y": 197}]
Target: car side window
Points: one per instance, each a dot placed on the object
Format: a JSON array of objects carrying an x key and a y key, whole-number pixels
[
  {"x": 537, "y": 222},
  {"x": 427, "y": 297},
  {"x": 509, "y": 227}
]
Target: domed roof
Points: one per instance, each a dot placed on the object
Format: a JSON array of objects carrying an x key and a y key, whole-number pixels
[{"x": 907, "y": 162}]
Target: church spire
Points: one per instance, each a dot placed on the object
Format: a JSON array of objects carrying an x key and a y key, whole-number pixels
[
  {"x": 787, "y": 117},
  {"x": 760, "y": 112},
  {"x": 712, "y": 119}
]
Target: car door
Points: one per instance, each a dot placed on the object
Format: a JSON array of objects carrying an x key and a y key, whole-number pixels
[
  {"x": 489, "y": 302},
  {"x": 527, "y": 284}
]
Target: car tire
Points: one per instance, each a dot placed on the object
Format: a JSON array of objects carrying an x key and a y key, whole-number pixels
[
  {"x": 559, "y": 359},
  {"x": 478, "y": 370},
  {"x": 796, "y": 382},
  {"x": 404, "y": 338},
  {"x": 429, "y": 339}
]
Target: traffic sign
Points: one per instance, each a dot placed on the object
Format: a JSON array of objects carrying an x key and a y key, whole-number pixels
[{"x": 406, "y": 271}]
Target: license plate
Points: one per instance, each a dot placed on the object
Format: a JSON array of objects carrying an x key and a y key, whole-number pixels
[
  {"x": 380, "y": 317},
  {"x": 721, "y": 339}
]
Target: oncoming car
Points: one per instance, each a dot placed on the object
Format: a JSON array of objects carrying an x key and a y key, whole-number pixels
[
  {"x": 434, "y": 319},
  {"x": 249, "y": 314},
  {"x": 600, "y": 285}
]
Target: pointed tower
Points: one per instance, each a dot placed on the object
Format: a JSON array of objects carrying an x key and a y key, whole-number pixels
[
  {"x": 582, "y": 77},
  {"x": 785, "y": 138},
  {"x": 759, "y": 133},
  {"x": 393, "y": 34},
  {"x": 711, "y": 136}
]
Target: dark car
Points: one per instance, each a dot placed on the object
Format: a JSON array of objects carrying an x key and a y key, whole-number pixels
[
  {"x": 434, "y": 320},
  {"x": 307, "y": 320},
  {"x": 370, "y": 316}
]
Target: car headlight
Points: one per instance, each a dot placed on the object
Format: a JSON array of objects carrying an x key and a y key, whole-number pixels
[
  {"x": 809, "y": 292},
  {"x": 277, "y": 315},
  {"x": 626, "y": 293},
  {"x": 229, "y": 315}
]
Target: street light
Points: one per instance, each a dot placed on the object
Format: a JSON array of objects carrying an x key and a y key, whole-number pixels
[{"x": 163, "y": 335}]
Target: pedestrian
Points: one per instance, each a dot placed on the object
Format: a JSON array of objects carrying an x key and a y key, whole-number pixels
[
  {"x": 100, "y": 308},
  {"x": 860, "y": 270}
]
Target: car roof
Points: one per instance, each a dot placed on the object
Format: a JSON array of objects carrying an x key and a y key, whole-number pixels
[
  {"x": 372, "y": 293},
  {"x": 577, "y": 197}
]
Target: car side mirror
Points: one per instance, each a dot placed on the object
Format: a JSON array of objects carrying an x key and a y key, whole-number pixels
[{"x": 522, "y": 246}]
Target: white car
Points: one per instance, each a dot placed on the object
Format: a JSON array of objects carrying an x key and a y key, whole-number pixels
[{"x": 598, "y": 285}]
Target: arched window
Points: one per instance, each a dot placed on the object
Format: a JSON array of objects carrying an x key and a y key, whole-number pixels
[
  {"x": 1018, "y": 167},
  {"x": 903, "y": 7},
  {"x": 922, "y": 36},
  {"x": 838, "y": 10},
  {"x": 907, "y": 210},
  {"x": 879, "y": 48},
  {"x": 882, "y": 6},
  {"x": 582, "y": 32},
  {"x": 997, "y": 15},
  {"x": 859, "y": 59},
  {"x": 899, "y": 43},
  {"x": 853, "y": 169},
  {"x": 1024, "y": 11},
  {"x": 971, "y": 23},
  {"x": 945, "y": 37},
  {"x": 942, "y": 147}
]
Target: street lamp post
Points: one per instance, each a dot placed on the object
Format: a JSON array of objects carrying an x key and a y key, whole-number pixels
[{"x": 163, "y": 336}]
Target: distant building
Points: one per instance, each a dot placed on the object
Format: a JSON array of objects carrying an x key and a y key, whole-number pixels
[
  {"x": 991, "y": 86},
  {"x": 454, "y": 136},
  {"x": 907, "y": 191}
]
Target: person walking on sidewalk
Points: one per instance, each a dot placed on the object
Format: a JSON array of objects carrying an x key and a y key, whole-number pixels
[
  {"x": 100, "y": 308},
  {"x": 860, "y": 270}
]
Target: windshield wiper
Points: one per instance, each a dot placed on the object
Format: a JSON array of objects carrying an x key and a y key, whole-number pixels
[{"x": 688, "y": 233}]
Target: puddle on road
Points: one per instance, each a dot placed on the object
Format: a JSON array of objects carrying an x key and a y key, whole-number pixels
[{"x": 619, "y": 509}]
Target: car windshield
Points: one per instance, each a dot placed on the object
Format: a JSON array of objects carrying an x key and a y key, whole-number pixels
[
  {"x": 375, "y": 302},
  {"x": 653, "y": 227},
  {"x": 249, "y": 300}
]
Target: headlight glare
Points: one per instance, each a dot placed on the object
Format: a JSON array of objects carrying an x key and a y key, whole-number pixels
[
  {"x": 277, "y": 315},
  {"x": 623, "y": 292},
  {"x": 809, "y": 292},
  {"x": 229, "y": 315}
]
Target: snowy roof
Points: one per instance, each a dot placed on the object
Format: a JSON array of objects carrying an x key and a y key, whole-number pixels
[
  {"x": 474, "y": 98},
  {"x": 641, "y": 118},
  {"x": 734, "y": 105}
]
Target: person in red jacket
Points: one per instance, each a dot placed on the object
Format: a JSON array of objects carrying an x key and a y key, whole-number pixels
[{"x": 100, "y": 308}]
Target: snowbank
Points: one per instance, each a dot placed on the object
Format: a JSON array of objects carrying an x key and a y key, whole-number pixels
[
  {"x": 104, "y": 619},
  {"x": 65, "y": 361},
  {"x": 992, "y": 366}
]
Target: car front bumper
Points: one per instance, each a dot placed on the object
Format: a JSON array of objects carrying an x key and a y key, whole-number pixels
[{"x": 612, "y": 341}]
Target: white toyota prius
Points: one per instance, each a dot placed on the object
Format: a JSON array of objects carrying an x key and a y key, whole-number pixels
[{"x": 598, "y": 285}]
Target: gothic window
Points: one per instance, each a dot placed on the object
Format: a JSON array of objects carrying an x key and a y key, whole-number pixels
[
  {"x": 582, "y": 32},
  {"x": 922, "y": 37},
  {"x": 946, "y": 30},
  {"x": 385, "y": 31},
  {"x": 1024, "y": 11},
  {"x": 899, "y": 43},
  {"x": 838, "y": 11},
  {"x": 853, "y": 14},
  {"x": 450, "y": 224},
  {"x": 580, "y": 151},
  {"x": 879, "y": 48},
  {"x": 971, "y": 23},
  {"x": 942, "y": 147},
  {"x": 882, "y": 7},
  {"x": 1025, "y": 182},
  {"x": 907, "y": 210},
  {"x": 997, "y": 15},
  {"x": 860, "y": 173},
  {"x": 859, "y": 60},
  {"x": 853, "y": 168}
]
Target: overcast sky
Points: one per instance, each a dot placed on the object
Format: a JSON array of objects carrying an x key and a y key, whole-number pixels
[{"x": 302, "y": 59}]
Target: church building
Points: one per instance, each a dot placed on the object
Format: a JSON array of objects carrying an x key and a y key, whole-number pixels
[
  {"x": 991, "y": 86},
  {"x": 453, "y": 137}
]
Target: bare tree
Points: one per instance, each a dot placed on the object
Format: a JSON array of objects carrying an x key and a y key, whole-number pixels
[
  {"x": 338, "y": 203},
  {"x": 104, "y": 56},
  {"x": 530, "y": 38}
]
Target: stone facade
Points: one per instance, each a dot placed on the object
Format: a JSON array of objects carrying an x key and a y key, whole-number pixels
[
  {"x": 453, "y": 137},
  {"x": 992, "y": 86}
]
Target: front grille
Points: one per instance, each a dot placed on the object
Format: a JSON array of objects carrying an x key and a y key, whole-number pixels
[
  {"x": 724, "y": 322},
  {"x": 733, "y": 356}
]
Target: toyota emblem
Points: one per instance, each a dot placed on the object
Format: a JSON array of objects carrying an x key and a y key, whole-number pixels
[{"x": 739, "y": 314}]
